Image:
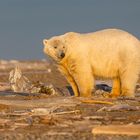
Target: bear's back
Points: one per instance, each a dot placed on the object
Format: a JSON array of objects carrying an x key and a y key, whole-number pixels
[
  {"x": 107, "y": 50},
  {"x": 108, "y": 40}
]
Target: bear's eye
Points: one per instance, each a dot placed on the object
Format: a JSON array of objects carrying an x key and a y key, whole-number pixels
[
  {"x": 55, "y": 47},
  {"x": 63, "y": 47}
]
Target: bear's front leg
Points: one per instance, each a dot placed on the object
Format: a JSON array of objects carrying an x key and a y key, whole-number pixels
[
  {"x": 85, "y": 81},
  {"x": 73, "y": 85},
  {"x": 116, "y": 89},
  {"x": 70, "y": 79}
]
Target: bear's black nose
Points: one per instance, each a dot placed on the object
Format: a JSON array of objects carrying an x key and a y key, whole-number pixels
[{"x": 62, "y": 55}]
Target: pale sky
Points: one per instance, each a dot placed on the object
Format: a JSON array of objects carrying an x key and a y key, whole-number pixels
[{"x": 25, "y": 23}]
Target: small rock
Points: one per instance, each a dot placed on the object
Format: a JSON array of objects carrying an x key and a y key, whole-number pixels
[
  {"x": 104, "y": 87},
  {"x": 49, "y": 70}
]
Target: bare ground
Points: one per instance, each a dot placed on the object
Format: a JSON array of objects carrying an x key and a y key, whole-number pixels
[{"x": 39, "y": 116}]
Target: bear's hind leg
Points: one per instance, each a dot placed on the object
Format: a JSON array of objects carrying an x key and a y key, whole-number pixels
[
  {"x": 128, "y": 82},
  {"x": 115, "y": 88}
]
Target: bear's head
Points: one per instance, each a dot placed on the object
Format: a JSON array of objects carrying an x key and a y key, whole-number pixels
[{"x": 55, "y": 48}]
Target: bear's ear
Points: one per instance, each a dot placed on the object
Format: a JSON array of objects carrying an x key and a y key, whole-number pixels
[{"x": 45, "y": 41}]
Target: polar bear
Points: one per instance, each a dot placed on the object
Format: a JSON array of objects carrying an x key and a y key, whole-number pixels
[{"x": 109, "y": 53}]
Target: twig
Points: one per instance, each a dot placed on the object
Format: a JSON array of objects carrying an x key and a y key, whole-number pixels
[
  {"x": 96, "y": 102},
  {"x": 68, "y": 112}
]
